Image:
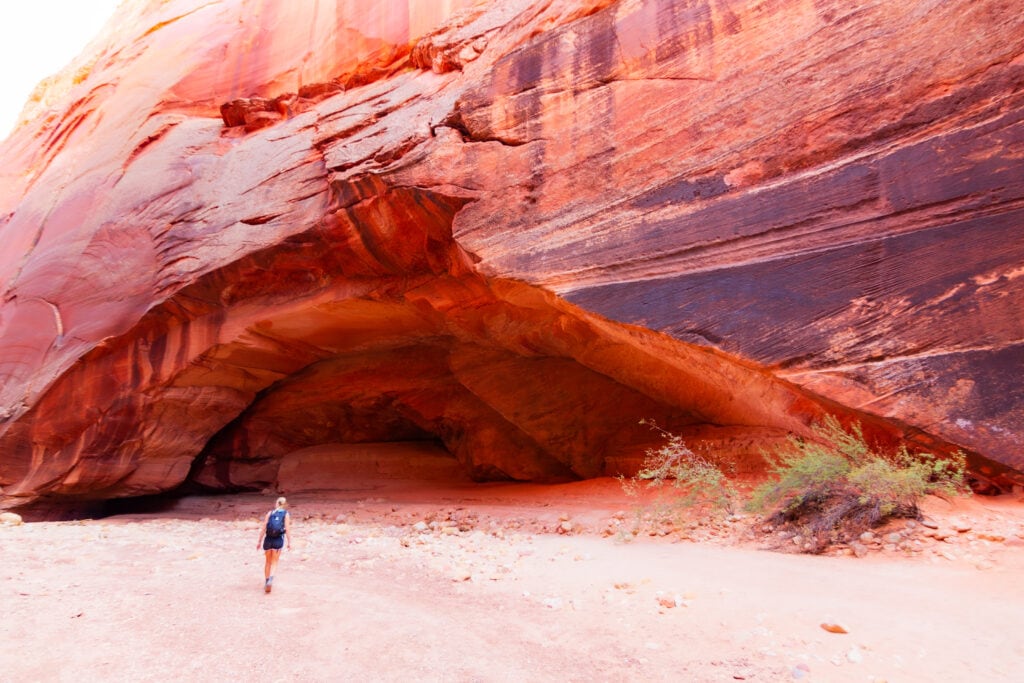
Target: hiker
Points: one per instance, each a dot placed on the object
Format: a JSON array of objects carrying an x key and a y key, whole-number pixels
[{"x": 273, "y": 536}]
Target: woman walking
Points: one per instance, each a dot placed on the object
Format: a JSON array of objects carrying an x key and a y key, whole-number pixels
[{"x": 273, "y": 537}]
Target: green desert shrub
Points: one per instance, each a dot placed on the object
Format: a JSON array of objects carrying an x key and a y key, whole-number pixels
[
  {"x": 680, "y": 482},
  {"x": 834, "y": 486}
]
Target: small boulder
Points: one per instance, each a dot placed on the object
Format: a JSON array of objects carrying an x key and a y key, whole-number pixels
[
  {"x": 960, "y": 526},
  {"x": 10, "y": 519},
  {"x": 938, "y": 534}
]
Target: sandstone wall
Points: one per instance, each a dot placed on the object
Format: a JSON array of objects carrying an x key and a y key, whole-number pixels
[{"x": 237, "y": 230}]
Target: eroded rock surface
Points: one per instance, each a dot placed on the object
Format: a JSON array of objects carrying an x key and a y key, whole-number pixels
[{"x": 509, "y": 230}]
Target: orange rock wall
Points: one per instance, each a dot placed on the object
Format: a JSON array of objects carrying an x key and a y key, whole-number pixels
[{"x": 235, "y": 231}]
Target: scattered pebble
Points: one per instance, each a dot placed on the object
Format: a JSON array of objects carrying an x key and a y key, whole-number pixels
[{"x": 670, "y": 602}]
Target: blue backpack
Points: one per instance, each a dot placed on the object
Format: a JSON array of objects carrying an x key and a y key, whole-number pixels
[{"x": 275, "y": 523}]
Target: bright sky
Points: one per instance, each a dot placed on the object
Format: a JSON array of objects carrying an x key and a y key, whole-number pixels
[{"x": 37, "y": 39}]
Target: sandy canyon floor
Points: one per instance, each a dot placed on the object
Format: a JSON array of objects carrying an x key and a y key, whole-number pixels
[{"x": 394, "y": 581}]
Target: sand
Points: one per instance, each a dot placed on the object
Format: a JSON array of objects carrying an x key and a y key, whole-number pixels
[{"x": 399, "y": 581}]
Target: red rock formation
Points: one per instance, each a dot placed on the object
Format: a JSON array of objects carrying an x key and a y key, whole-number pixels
[{"x": 238, "y": 231}]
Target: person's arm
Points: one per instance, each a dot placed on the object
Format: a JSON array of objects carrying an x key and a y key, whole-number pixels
[
  {"x": 263, "y": 531},
  {"x": 288, "y": 529}
]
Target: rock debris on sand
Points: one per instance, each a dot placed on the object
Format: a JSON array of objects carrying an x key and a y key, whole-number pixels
[{"x": 405, "y": 587}]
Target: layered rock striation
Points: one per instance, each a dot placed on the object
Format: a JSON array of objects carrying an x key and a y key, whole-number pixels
[{"x": 505, "y": 232}]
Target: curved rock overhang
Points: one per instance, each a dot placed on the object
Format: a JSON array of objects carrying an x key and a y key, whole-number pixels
[
  {"x": 203, "y": 276},
  {"x": 374, "y": 326},
  {"x": 316, "y": 341}
]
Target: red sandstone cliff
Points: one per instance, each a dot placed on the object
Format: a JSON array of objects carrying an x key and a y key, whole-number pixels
[{"x": 236, "y": 230}]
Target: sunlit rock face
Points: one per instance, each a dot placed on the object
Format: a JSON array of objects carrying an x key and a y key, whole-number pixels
[{"x": 242, "y": 241}]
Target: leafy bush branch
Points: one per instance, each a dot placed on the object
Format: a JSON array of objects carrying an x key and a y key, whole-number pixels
[
  {"x": 834, "y": 486},
  {"x": 828, "y": 488},
  {"x": 692, "y": 480}
]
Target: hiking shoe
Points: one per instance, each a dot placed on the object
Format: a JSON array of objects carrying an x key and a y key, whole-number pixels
[{"x": 269, "y": 583}]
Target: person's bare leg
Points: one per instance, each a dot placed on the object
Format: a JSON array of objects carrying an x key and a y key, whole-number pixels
[
  {"x": 268, "y": 566},
  {"x": 275, "y": 555},
  {"x": 268, "y": 569}
]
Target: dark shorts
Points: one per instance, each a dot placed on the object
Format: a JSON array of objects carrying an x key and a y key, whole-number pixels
[{"x": 273, "y": 542}]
